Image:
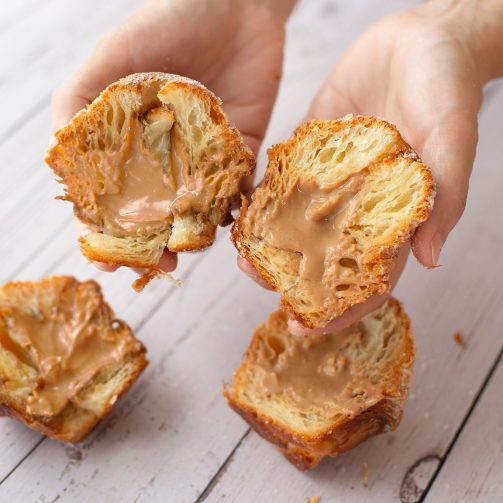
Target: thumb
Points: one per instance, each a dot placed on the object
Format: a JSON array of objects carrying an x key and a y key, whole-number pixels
[
  {"x": 331, "y": 101},
  {"x": 64, "y": 106},
  {"x": 449, "y": 150}
]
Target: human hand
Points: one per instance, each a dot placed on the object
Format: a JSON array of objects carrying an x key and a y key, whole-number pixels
[
  {"x": 235, "y": 48},
  {"x": 423, "y": 70}
]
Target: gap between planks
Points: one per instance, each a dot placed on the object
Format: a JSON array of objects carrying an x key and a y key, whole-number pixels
[
  {"x": 20, "y": 462},
  {"x": 218, "y": 474},
  {"x": 473, "y": 405}
]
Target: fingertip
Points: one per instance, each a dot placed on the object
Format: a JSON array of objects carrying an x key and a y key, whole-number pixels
[
  {"x": 103, "y": 266},
  {"x": 66, "y": 101},
  {"x": 295, "y": 328},
  {"x": 250, "y": 271},
  {"x": 246, "y": 185},
  {"x": 168, "y": 261},
  {"x": 352, "y": 315},
  {"x": 82, "y": 228},
  {"x": 245, "y": 266},
  {"x": 140, "y": 270},
  {"x": 427, "y": 245}
]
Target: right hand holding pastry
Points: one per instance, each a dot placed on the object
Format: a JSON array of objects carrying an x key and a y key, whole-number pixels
[{"x": 423, "y": 69}]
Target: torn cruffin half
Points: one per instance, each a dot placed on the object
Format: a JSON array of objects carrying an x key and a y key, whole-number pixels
[{"x": 152, "y": 163}]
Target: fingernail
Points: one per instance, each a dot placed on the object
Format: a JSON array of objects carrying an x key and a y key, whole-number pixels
[
  {"x": 436, "y": 247},
  {"x": 295, "y": 328}
]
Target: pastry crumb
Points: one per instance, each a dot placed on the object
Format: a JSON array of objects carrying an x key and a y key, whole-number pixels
[
  {"x": 459, "y": 338},
  {"x": 313, "y": 499},
  {"x": 364, "y": 476},
  {"x": 140, "y": 283}
]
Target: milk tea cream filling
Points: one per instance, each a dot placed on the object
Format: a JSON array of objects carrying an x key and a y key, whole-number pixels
[
  {"x": 155, "y": 180},
  {"x": 312, "y": 221},
  {"x": 65, "y": 345},
  {"x": 152, "y": 163},
  {"x": 317, "y": 373}
]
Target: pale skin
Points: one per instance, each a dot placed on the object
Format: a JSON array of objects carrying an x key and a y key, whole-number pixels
[{"x": 421, "y": 69}]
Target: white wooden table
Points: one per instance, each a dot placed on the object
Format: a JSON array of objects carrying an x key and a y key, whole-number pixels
[{"x": 172, "y": 438}]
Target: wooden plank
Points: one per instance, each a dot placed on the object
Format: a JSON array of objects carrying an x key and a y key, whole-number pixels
[
  {"x": 14, "y": 12},
  {"x": 60, "y": 36},
  {"x": 464, "y": 294},
  {"x": 472, "y": 472},
  {"x": 29, "y": 213}
]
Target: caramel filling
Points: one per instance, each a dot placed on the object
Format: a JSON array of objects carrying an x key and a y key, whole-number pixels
[
  {"x": 144, "y": 201},
  {"x": 316, "y": 373},
  {"x": 310, "y": 220},
  {"x": 67, "y": 348},
  {"x": 155, "y": 179}
]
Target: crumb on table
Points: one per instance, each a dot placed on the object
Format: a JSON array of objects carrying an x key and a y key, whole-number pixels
[
  {"x": 459, "y": 338},
  {"x": 146, "y": 277},
  {"x": 365, "y": 475}
]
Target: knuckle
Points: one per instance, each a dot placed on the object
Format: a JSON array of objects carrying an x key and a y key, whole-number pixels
[{"x": 459, "y": 204}]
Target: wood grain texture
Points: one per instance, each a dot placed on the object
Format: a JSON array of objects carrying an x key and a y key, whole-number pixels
[
  {"x": 61, "y": 33},
  {"x": 473, "y": 470},
  {"x": 30, "y": 220},
  {"x": 172, "y": 438}
]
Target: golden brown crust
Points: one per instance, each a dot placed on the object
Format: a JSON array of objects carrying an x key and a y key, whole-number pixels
[
  {"x": 197, "y": 242},
  {"x": 55, "y": 427},
  {"x": 96, "y": 255},
  {"x": 382, "y": 417},
  {"x": 73, "y": 423},
  {"x": 379, "y": 258},
  {"x": 90, "y": 130},
  {"x": 305, "y": 451}
]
